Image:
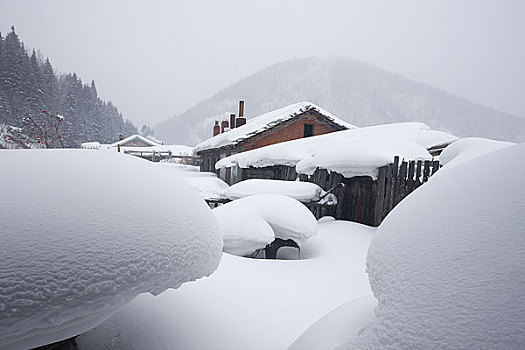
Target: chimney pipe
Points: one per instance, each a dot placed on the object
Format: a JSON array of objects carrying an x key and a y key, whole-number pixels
[
  {"x": 241, "y": 109},
  {"x": 241, "y": 120},
  {"x": 216, "y": 128},
  {"x": 232, "y": 121},
  {"x": 224, "y": 125}
]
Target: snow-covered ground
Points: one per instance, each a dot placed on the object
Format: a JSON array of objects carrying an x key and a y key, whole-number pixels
[
  {"x": 445, "y": 267},
  {"x": 247, "y": 303}
]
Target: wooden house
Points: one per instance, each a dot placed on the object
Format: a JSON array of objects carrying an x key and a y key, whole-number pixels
[
  {"x": 237, "y": 135},
  {"x": 369, "y": 170}
]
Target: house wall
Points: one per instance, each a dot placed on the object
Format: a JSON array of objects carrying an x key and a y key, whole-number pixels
[{"x": 291, "y": 130}]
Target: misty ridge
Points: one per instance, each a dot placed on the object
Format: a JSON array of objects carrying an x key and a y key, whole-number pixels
[{"x": 356, "y": 92}]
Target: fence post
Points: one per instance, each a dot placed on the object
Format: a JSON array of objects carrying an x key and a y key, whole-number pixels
[
  {"x": 418, "y": 174},
  {"x": 380, "y": 196},
  {"x": 426, "y": 171}
]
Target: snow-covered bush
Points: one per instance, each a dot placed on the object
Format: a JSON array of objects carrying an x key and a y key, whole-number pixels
[
  {"x": 83, "y": 233},
  {"x": 249, "y": 224},
  {"x": 447, "y": 264}
]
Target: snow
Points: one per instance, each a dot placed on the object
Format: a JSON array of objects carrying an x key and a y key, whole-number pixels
[
  {"x": 207, "y": 184},
  {"x": 333, "y": 330},
  {"x": 85, "y": 232},
  {"x": 264, "y": 122},
  {"x": 250, "y": 223},
  {"x": 469, "y": 148},
  {"x": 301, "y": 191},
  {"x": 447, "y": 263},
  {"x": 247, "y": 303},
  {"x": 90, "y": 145},
  {"x": 355, "y": 152}
]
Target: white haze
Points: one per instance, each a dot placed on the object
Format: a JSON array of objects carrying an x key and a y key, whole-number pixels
[{"x": 154, "y": 59}]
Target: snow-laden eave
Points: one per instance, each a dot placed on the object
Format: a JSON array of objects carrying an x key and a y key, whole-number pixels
[
  {"x": 265, "y": 122},
  {"x": 357, "y": 152}
]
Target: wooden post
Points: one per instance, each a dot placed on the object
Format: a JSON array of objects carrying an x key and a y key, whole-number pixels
[
  {"x": 395, "y": 197},
  {"x": 410, "y": 181},
  {"x": 435, "y": 167},
  {"x": 418, "y": 174},
  {"x": 380, "y": 196},
  {"x": 402, "y": 181},
  {"x": 118, "y": 148},
  {"x": 426, "y": 171},
  {"x": 389, "y": 186}
]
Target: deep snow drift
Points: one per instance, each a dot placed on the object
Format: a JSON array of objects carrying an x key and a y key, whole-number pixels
[
  {"x": 84, "y": 232},
  {"x": 249, "y": 224},
  {"x": 247, "y": 303},
  {"x": 469, "y": 148},
  {"x": 447, "y": 263}
]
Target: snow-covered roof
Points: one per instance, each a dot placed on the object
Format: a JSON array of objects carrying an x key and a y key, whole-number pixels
[
  {"x": 352, "y": 152},
  {"x": 257, "y": 125},
  {"x": 132, "y": 138}
]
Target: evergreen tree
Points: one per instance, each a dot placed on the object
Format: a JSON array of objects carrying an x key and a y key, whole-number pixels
[{"x": 30, "y": 91}]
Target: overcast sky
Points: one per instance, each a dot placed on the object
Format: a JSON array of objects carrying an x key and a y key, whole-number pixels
[{"x": 155, "y": 58}]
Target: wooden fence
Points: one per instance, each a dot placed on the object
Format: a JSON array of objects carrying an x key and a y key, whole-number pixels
[
  {"x": 361, "y": 198},
  {"x": 369, "y": 201}
]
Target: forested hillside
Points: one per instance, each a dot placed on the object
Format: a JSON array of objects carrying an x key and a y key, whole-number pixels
[
  {"x": 29, "y": 86},
  {"x": 358, "y": 93}
]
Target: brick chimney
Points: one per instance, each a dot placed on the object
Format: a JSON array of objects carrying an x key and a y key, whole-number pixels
[
  {"x": 224, "y": 125},
  {"x": 232, "y": 121},
  {"x": 121, "y": 137},
  {"x": 241, "y": 120},
  {"x": 216, "y": 128}
]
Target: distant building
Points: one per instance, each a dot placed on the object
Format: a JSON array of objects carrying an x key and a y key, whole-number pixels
[
  {"x": 237, "y": 135},
  {"x": 140, "y": 146}
]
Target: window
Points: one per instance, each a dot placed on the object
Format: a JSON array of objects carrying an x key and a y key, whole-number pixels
[{"x": 308, "y": 130}]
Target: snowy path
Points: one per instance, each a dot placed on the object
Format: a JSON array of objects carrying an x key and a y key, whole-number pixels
[{"x": 246, "y": 303}]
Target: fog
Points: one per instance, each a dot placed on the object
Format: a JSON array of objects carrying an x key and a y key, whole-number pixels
[{"x": 155, "y": 59}]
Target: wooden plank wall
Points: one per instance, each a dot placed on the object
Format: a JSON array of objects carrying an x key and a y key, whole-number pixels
[{"x": 361, "y": 199}]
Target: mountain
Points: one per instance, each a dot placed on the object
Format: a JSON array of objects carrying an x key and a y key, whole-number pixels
[
  {"x": 35, "y": 102},
  {"x": 354, "y": 91}
]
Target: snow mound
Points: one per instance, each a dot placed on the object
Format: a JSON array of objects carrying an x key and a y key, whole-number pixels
[
  {"x": 301, "y": 191},
  {"x": 250, "y": 223},
  {"x": 207, "y": 184},
  {"x": 446, "y": 265},
  {"x": 469, "y": 148},
  {"x": 333, "y": 329},
  {"x": 85, "y": 232}
]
